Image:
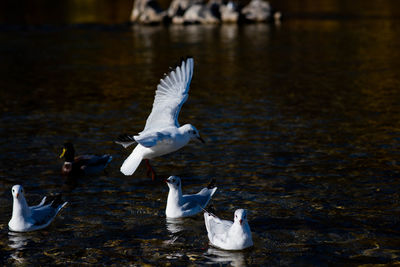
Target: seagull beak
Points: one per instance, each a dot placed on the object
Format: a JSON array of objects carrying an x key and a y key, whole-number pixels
[
  {"x": 17, "y": 195},
  {"x": 240, "y": 221},
  {"x": 63, "y": 152},
  {"x": 201, "y": 139}
]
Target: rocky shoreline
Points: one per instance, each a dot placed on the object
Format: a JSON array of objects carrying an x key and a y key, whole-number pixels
[{"x": 201, "y": 12}]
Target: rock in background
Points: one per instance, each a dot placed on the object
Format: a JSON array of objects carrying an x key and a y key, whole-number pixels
[
  {"x": 229, "y": 12},
  {"x": 147, "y": 12},
  {"x": 198, "y": 11}
]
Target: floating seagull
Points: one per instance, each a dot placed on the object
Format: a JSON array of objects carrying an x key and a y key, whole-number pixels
[
  {"x": 229, "y": 235},
  {"x": 179, "y": 205},
  {"x": 25, "y": 218},
  {"x": 84, "y": 164},
  {"x": 162, "y": 133}
]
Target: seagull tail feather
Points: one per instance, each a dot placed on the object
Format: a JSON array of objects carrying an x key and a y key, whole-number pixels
[{"x": 131, "y": 163}]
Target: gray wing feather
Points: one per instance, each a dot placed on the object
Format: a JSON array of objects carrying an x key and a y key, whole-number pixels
[
  {"x": 43, "y": 214},
  {"x": 40, "y": 204},
  {"x": 191, "y": 202},
  {"x": 200, "y": 199},
  {"x": 216, "y": 225},
  {"x": 151, "y": 139},
  {"x": 171, "y": 93}
]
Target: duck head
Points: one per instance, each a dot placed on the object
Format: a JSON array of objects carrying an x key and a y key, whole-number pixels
[{"x": 68, "y": 152}]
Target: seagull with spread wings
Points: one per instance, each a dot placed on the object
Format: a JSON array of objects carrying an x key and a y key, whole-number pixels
[{"x": 162, "y": 133}]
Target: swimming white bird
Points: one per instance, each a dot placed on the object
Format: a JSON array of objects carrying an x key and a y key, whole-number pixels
[
  {"x": 162, "y": 133},
  {"x": 229, "y": 235},
  {"x": 179, "y": 205},
  {"x": 25, "y": 218}
]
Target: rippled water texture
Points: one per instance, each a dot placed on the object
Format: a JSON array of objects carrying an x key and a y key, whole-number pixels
[{"x": 301, "y": 122}]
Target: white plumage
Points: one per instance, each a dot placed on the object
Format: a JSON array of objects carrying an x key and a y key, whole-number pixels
[
  {"x": 229, "y": 235},
  {"x": 25, "y": 218},
  {"x": 171, "y": 93},
  {"x": 179, "y": 205},
  {"x": 162, "y": 133}
]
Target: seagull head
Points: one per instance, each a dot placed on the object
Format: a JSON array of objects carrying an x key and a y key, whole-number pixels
[
  {"x": 240, "y": 216},
  {"x": 68, "y": 152},
  {"x": 17, "y": 191},
  {"x": 174, "y": 182},
  {"x": 192, "y": 132}
]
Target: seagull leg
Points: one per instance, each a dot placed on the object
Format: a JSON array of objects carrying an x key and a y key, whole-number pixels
[
  {"x": 206, "y": 246},
  {"x": 150, "y": 170}
]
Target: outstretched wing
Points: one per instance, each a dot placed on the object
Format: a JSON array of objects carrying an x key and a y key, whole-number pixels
[{"x": 171, "y": 93}]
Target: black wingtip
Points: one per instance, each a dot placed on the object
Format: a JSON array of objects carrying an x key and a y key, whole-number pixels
[
  {"x": 212, "y": 183},
  {"x": 57, "y": 201},
  {"x": 125, "y": 138},
  {"x": 210, "y": 210}
]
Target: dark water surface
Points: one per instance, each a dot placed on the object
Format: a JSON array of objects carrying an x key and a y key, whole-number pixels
[{"x": 301, "y": 122}]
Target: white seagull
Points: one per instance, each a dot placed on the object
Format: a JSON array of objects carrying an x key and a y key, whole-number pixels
[
  {"x": 25, "y": 218},
  {"x": 162, "y": 133},
  {"x": 229, "y": 235},
  {"x": 179, "y": 205}
]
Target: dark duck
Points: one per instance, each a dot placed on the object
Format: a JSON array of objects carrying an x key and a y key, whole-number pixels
[{"x": 83, "y": 164}]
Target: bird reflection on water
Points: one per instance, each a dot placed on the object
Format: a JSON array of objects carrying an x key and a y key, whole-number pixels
[
  {"x": 175, "y": 227},
  {"x": 218, "y": 256},
  {"x": 18, "y": 242}
]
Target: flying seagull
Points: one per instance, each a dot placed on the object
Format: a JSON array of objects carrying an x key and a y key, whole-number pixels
[{"x": 162, "y": 133}]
